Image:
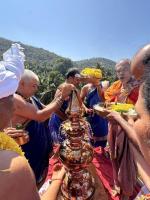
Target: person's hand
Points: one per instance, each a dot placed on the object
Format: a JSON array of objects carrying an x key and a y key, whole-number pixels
[
  {"x": 66, "y": 90},
  {"x": 84, "y": 79},
  {"x": 130, "y": 118},
  {"x": 58, "y": 172},
  {"x": 14, "y": 133},
  {"x": 56, "y": 151},
  {"x": 114, "y": 116},
  {"x": 89, "y": 111}
]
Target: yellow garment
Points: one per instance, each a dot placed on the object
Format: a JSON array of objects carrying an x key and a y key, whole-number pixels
[{"x": 7, "y": 143}]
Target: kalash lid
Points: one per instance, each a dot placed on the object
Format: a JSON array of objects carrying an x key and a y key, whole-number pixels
[{"x": 75, "y": 103}]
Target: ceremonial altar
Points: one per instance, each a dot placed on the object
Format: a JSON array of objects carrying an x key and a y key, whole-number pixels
[
  {"x": 83, "y": 179},
  {"x": 101, "y": 170},
  {"x": 89, "y": 174}
]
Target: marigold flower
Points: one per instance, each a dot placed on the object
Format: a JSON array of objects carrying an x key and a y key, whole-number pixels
[
  {"x": 7, "y": 143},
  {"x": 92, "y": 72}
]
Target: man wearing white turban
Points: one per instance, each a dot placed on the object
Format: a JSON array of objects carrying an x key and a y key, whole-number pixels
[
  {"x": 15, "y": 172},
  {"x": 32, "y": 115},
  {"x": 11, "y": 69}
]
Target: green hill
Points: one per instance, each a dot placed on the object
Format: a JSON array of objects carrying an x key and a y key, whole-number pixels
[
  {"x": 51, "y": 68},
  {"x": 33, "y": 54},
  {"x": 42, "y": 56},
  {"x": 106, "y": 63}
]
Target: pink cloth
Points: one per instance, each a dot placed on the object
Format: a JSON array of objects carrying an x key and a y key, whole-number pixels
[
  {"x": 124, "y": 169},
  {"x": 103, "y": 167}
]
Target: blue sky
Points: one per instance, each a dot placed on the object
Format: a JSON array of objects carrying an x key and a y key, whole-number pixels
[{"x": 78, "y": 29}]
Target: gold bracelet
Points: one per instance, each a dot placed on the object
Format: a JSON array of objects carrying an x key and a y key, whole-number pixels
[{"x": 56, "y": 179}]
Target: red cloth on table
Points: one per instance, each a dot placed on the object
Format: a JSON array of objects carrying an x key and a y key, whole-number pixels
[{"x": 103, "y": 168}]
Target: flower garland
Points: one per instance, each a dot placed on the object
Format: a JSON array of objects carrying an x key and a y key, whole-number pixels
[
  {"x": 7, "y": 143},
  {"x": 93, "y": 72}
]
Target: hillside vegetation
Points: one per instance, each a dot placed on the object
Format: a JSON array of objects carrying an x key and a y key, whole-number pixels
[{"x": 52, "y": 68}]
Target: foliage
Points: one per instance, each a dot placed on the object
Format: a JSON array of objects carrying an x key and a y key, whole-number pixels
[
  {"x": 106, "y": 63},
  {"x": 108, "y": 73},
  {"x": 52, "y": 68},
  {"x": 62, "y": 65}
]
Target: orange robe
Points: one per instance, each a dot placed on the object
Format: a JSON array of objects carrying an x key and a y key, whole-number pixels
[{"x": 112, "y": 93}]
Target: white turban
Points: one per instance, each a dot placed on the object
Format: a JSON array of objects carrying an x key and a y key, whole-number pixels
[{"x": 11, "y": 70}]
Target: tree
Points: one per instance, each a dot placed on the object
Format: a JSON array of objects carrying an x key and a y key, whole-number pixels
[
  {"x": 49, "y": 84},
  {"x": 107, "y": 72},
  {"x": 62, "y": 65}
]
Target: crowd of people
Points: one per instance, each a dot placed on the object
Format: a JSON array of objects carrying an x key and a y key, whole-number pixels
[{"x": 23, "y": 169}]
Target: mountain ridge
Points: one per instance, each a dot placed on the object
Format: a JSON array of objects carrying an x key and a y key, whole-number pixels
[
  {"x": 34, "y": 54},
  {"x": 51, "y": 68}
]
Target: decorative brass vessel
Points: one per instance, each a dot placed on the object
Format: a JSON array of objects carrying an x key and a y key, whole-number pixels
[
  {"x": 76, "y": 154},
  {"x": 21, "y": 140}
]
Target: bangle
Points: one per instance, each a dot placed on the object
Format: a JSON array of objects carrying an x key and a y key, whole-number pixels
[{"x": 56, "y": 179}]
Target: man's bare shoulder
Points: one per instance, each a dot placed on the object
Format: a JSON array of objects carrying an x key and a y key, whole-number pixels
[
  {"x": 86, "y": 87},
  {"x": 18, "y": 101},
  {"x": 12, "y": 161},
  {"x": 19, "y": 104},
  {"x": 59, "y": 88},
  {"x": 16, "y": 96},
  {"x": 16, "y": 176}
]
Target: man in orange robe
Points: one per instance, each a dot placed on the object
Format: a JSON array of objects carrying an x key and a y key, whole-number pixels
[{"x": 124, "y": 90}]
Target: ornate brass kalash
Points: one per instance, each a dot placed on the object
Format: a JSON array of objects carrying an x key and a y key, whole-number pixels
[{"x": 76, "y": 154}]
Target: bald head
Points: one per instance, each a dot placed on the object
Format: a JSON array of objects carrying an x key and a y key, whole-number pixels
[
  {"x": 29, "y": 83},
  {"x": 140, "y": 64},
  {"x": 124, "y": 63},
  {"x": 123, "y": 70},
  {"x": 29, "y": 75}
]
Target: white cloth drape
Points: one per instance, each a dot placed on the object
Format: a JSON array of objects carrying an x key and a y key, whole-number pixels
[{"x": 11, "y": 70}]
